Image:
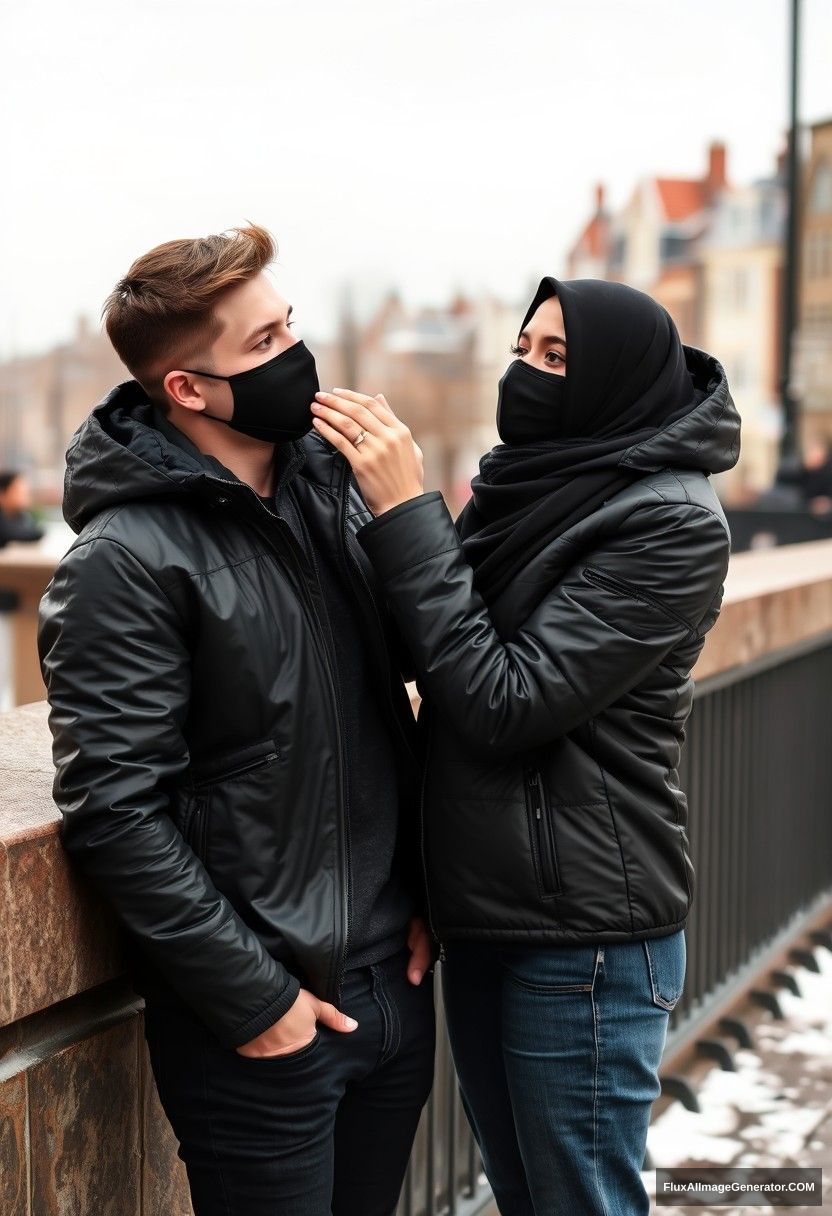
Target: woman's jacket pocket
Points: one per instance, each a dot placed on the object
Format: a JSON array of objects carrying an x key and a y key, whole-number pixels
[{"x": 542, "y": 834}]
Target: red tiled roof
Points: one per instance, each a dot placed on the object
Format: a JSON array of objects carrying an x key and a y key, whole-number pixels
[
  {"x": 593, "y": 239},
  {"x": 681, "y": 197}
]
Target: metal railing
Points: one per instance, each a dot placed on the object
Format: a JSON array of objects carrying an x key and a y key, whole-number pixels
[
  {"x": 757, "y": 769},
  {"x": 445, "y": 1175}
]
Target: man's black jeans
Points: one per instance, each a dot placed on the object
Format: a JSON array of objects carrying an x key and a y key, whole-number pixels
[{"x": 326, "y": 1129}]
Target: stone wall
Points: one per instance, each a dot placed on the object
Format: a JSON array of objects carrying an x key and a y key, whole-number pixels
[
  {"x": 81, "y": 1129},
  {"x": 82, "y": 1132}
]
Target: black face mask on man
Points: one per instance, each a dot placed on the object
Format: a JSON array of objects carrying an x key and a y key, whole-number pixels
[
  {"x": 529, "y": 404},
  {"x": 272, "y": 400}
]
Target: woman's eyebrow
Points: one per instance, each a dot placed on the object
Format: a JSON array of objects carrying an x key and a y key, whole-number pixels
[{"x": 553, "y": 339}]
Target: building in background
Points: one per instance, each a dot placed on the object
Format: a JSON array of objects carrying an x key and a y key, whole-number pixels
[
  {"x": 741, "y": 267},
  {"x": 813, "y": 352},
  {"x": 711, "y": 253},
  {"x": 438, "y": 368},
  {"x": 45, "y": 397},
  {"x": 652, "y": 243}
]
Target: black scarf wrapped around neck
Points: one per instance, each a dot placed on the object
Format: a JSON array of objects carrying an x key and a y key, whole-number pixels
[{"x": 626, "y": 379}]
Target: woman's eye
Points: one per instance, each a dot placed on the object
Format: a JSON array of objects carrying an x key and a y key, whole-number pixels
[
  {"x": 518, "y": 350},
  {"x": 554, "y": 358},
  {"x": 264, "y": 343}
]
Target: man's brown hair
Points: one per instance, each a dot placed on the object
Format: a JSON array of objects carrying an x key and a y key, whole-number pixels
[{"x": 160, "y": 315}]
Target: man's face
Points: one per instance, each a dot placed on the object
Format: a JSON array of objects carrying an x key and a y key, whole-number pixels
[{"x": 256, "y": 326}]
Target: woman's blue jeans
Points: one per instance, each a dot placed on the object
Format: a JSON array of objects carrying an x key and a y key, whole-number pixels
[{"x": 557, "y": 1051}]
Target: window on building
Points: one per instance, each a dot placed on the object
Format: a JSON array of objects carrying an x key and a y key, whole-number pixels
[{"x": 820, "y": 192}]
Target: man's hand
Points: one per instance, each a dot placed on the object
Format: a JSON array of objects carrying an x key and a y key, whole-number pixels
[
  {"x": 387, "y": 462},
  {"x": 297, "y": 1027},
  {"x": 421, "y": 951}
]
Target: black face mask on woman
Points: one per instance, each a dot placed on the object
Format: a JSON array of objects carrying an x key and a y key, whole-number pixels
[
  {"x": 528, "y": 404},
  {"x": 272, "y": 401}
]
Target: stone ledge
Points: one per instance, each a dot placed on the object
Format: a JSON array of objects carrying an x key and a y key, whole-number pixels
[
  {"x": 57, "y": 937},
  {"x": 774, "y": 599}
]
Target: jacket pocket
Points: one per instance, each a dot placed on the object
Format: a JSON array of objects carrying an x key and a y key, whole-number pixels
[
  {"x": 234, "y": 763},
  {"x": 206, "y": 775},
  {"x": 194, "y": 828},
  {"x": 621, "y": 586},
  {"x": 542, "y": 831}
]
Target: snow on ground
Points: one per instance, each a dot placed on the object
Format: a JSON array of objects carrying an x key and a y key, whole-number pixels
[{"x": 776, "y": 1109}]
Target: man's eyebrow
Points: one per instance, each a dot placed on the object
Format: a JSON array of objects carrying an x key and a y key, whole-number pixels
[
  {"x": 553, "y": 339},
  {"x": 261, "y": 329}
]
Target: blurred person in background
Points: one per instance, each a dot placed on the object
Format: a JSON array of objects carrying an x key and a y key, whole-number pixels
[
  {"x": 17, "y": 523},
  {"x": 235, "y": 752},
  {"x": 815, "y": 480},
  {"x": 554, "y": 628}
]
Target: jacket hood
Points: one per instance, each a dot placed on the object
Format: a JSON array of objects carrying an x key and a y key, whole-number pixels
[
  {"x": 121, "y": 454},
  {"x": 707, "y": 437}
]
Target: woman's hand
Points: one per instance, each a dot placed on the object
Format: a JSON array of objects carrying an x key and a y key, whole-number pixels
[{"x": 387, "y": 462}]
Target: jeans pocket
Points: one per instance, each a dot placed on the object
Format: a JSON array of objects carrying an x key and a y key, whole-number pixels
[
  {"x": 666, "y": 964},
  {"x": 287, "y": 1058},
  {"x": 561, "y": 969}
]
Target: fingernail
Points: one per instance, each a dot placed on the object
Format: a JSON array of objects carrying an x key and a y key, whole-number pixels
[
  {"x": 321, "y": 393},
  {"x": 317, "y": 422},
  {"x": 337, "y": 390},
  {"x": 351, "y": 1022},
  {"x": 416, "y": 977},
  {"x": 316, "y": 405}
]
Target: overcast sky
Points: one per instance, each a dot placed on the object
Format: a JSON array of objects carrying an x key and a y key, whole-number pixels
[{"x": 426, "y": 144}]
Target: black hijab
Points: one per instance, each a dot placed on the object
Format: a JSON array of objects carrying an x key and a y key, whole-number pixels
[{"x": 626, "y": 379}]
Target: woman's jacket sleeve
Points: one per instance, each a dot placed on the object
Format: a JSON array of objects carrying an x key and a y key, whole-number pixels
[
  {"x": 116, "y": 669},
  {"x": 612, "y": 619}
]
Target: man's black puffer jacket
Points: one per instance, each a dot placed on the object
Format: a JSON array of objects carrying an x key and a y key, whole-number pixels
[
  {"x": 552, "y": 808},
  {"x": 196, "y": 734}
]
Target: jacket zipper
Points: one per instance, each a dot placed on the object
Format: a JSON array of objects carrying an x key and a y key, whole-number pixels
[
  {"x": 369, "y": 595},
  {"x": 355, "y": 565},
  {"x": 593, "y": 575},
  {"x": 333, "y": 995},
  {"x": 423, "y": 849},
  {"x": 244, "y": 767},
  {"x": 544, "y": 834},
  {"x": 194, "y": 831}
]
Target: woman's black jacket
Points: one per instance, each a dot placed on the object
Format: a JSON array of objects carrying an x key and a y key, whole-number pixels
[{"x": 552, "y": 811}]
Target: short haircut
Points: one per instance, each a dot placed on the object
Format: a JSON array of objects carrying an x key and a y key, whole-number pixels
[{"x": 161, "y": 314}]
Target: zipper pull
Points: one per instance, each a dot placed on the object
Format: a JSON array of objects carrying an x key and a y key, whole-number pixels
[
  {"x": 441, "y": 952},
  {"x": 534, "y": 782}
]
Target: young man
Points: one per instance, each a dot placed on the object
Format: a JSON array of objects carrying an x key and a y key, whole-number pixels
[{"x": 234, "y": 747}]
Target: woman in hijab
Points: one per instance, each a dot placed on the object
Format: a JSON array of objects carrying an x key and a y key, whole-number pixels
[{"x": 553, "y": 631}]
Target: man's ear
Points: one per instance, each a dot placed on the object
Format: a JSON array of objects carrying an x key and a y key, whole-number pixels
[{"x": 180, "y": 386}]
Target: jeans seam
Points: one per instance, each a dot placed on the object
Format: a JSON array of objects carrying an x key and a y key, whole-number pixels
[
  {"x": 398, "y": 1026},
  {"x": 211, "y": 1128},
  {"x": 380, "y": 997},
  {"x": 596, "y": 1027}
]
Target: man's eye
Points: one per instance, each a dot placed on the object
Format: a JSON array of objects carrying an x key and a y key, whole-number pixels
[{"x": 267, "y": 340}]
